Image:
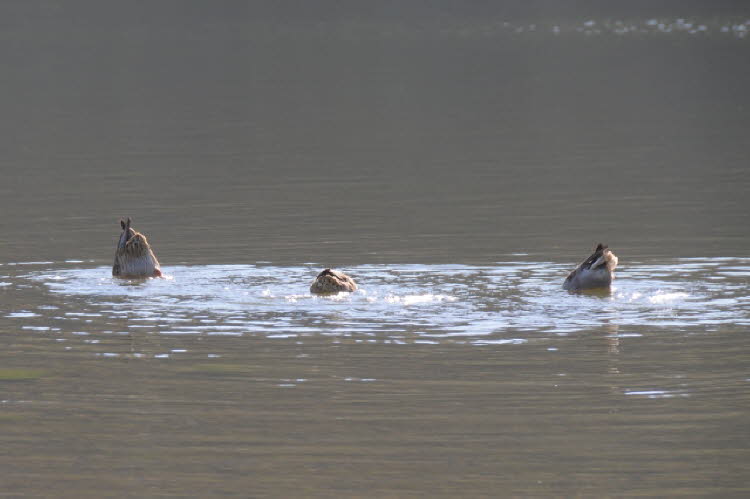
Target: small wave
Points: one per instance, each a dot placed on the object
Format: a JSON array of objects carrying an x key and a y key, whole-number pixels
[
  {"x": 22, "y": 315},
  {"x": 661, "y": 298},
  {"x": 11, "y": 264},
  {"x": 418, "y": 299},
  {"x": 656, "y": 394}
]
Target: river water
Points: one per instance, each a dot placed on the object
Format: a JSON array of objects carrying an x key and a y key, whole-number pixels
[{"x": 457, "y": 168}]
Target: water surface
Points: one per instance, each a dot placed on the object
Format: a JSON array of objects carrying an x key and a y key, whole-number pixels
[
  {"x": 457, "y": 161},
  {"x": 442, "y": 303}
]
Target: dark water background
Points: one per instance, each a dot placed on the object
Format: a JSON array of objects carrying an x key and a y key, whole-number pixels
[{"x": 458, "y": 161}]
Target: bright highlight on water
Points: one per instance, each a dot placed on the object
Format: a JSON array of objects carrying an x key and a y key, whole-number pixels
[{"x": 514, "y": 301}]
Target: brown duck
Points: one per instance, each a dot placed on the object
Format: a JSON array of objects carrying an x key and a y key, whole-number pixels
[
  {"x": 332, "y": 281},
  {"x": 595, "y": 272},
  {"x": 134, "y": 257}
]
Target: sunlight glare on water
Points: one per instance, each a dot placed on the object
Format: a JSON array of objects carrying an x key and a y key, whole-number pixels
[
  {"x": 506, "y": 303},
  {"x": 457, "y": 159}
]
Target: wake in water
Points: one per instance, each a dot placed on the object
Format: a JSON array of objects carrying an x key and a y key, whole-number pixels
[{"x": 509, "y": 302}]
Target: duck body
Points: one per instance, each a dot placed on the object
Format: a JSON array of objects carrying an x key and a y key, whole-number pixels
[
  {"x": 595, "y": 272},
  {"x": 332, "y": 281},
  {"x": 134, "y": 257}
]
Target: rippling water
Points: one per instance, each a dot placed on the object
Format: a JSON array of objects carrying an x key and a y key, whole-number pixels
[
  {"x": 457, "y": 159},
  {"x": 242, "y": 359},
  {"x": 509, "y": 302}
]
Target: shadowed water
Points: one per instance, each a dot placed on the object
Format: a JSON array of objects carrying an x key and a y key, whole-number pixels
[{"x": 457, "y": 161}]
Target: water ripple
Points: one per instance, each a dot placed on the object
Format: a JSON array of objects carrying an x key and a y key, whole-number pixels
[{"x": 503, "y": 304}]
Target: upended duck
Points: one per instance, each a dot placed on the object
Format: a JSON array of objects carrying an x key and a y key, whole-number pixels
[
  {"x": 134, "y": 257},
  {"x": 332, "y": 281},
  {"x": 595, "y": 272}
]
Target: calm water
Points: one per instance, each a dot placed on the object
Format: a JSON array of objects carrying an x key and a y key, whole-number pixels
[{"x": 457, "y": 165}]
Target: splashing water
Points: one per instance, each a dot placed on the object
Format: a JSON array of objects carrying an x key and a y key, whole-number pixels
[{"x": 506, "y": 303}]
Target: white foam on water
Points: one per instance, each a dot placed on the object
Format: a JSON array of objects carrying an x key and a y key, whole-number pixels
[{"x": 502, "y": 304}]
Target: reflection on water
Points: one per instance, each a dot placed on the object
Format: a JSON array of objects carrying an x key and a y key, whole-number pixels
[
  {"x": 508, "y": 303},
  {"x": 697, "y": 26},
  {"x": 457, "y": 165},
  {"x": 494, "y": 360}
]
